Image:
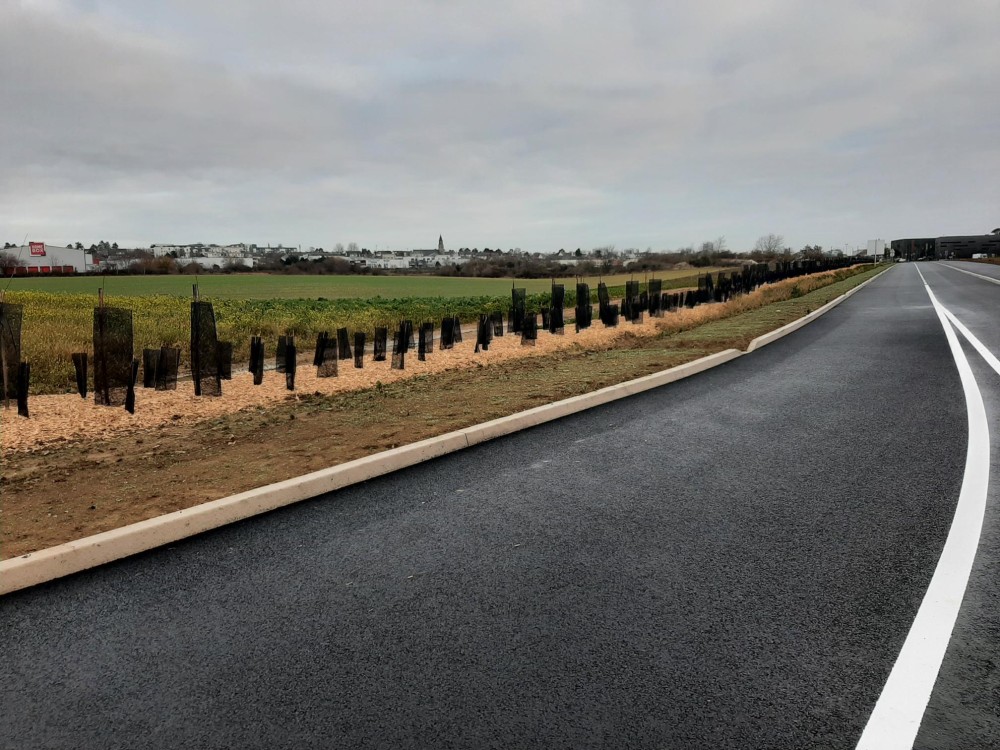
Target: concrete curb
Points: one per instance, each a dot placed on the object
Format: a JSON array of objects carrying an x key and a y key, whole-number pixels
[
  {"x": 73, "y": 557},
  {"x": 778, "y": 333},
  {"x": 481, "y": 433}
]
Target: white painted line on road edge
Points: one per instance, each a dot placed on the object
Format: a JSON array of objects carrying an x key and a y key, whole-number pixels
[
  {"x": 978, "y": 345},
  {"x": 971, "y": 273},
  {"x": 795, "y": 325},
  {"x": 895, "y": 721}
]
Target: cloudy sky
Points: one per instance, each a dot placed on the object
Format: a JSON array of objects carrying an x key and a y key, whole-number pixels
[{"x": 515, "y": 124}]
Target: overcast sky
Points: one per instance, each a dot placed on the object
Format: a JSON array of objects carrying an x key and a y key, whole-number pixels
[{"x": 514, "y": 124}]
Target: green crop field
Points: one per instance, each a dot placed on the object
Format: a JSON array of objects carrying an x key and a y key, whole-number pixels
[
  {"x": 279, "y": 286},
  {"x": 58, "y": 312}
]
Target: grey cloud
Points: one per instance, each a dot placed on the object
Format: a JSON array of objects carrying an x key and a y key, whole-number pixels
[{"x": 541, "y": 125}]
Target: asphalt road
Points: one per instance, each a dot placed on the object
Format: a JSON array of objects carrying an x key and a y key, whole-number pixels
[
  {"x": 983, "y": 269},
  {"x": 964, "y": 710},
  {"x": 733, "y": 560}
]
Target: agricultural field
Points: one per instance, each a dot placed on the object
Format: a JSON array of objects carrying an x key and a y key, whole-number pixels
[
  {"x": 59, "y": 322},
  {"x": 278, "y": 286}
]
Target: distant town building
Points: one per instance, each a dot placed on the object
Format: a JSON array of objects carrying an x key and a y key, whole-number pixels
[
  {"x": 235, "y": 250},
  {"x": 388, "y": 261},
  {"x": 396, "y": 259},
  {"x": 219, "y": 262},
  {"x": 198, "y": 249}
]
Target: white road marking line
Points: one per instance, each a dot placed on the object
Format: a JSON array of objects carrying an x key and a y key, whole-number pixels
[
  {"x": 895, "y": 720},
  {"x": 990, "y": 357},
  {"x": 971, "y": 273}
]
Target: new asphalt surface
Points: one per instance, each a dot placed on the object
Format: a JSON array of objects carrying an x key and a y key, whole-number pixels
[
  {"x": 983, "y": 269},
  {"x": 964, "y": 710},
  {"x": 733, "y": 560}
]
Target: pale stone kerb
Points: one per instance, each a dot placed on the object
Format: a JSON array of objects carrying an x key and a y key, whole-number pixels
[
  {"x": 82, "y": 554},
  {"x": 549, "y": 412},
  {"x": 73, "y": 557}
]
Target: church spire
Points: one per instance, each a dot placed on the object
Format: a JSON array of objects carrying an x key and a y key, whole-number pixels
[{"x": 440, "y": 244}]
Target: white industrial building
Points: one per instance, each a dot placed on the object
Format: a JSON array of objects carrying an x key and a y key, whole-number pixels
[{"x": 41, "y": 258}]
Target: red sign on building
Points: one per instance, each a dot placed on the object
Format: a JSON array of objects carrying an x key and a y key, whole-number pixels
[{"x": 37, "y": 248}]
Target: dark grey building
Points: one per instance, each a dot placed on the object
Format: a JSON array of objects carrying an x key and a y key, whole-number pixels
[
  {"x": 914, "y": 248},
  {"x": 967, "y": 246},
  {"x": 964, "y": 246}
]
